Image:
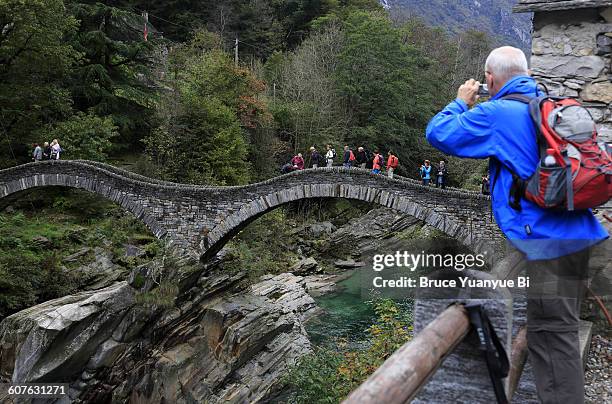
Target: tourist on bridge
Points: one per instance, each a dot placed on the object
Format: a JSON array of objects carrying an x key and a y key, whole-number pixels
[
  {"x": 37, "y": 154},
  {"x": 46, "y": 151},
  {"x": 55, "y": 150},
  {"x": 348, "y": 157},
  {"x": 553, "y": 242},
  {"x": 425, "y": 172},
  {"x": 315, "y": 157},
  {"x": 441, "y": 175},
  {"x": 330, "y": 155},
  {"x": 287, "y": 168},
  {"x": 377, "y": 162},
  {"x": 392, "y": 163},
  {"x": 298, "y": 162},
  {"x": 484, "y": 185},
  {"x": 361, "y": 157}
]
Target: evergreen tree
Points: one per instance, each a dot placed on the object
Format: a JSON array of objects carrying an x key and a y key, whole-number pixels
[
  {"x": 113, "y": 76},
  {"x": 263, "y": 26},
  {"x": 34, "y": 60}
]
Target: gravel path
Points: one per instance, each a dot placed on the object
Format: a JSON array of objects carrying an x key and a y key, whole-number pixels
[{"x": 598, "y": 375}]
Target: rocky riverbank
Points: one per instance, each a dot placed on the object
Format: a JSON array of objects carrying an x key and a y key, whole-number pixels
[
  {"x": 223, "y": 339},
  {"x": 227, "y": 344}
]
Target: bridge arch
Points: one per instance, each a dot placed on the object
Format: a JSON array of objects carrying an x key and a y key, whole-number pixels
[
  {"x": 13, "y": 187},
  {"x": 405, "y": 203}
]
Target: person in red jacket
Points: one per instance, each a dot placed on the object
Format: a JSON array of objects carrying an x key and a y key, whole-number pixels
[
  {"x": 298, "y": 162},
  {"x": 377, "y": 162},
  {"x": 392, "y": 163}
]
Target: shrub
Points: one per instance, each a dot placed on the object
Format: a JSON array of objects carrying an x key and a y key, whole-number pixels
[
  {"x": 84, "y": 136},
  {"x": 328, "y": 376}
]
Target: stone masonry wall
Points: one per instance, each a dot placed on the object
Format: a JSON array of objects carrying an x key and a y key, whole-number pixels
[{"x": 571, "y": 55}]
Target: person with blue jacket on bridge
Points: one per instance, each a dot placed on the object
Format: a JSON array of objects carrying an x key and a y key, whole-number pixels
[
  {"x": 554, "y": 242},
  {"x": 425, "y": 172}
]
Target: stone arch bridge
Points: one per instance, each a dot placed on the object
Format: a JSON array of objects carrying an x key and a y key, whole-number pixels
[{"x": 201, "y": 219}]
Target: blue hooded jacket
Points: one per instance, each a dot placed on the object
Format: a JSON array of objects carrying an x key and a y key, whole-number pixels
[{"x": 503, "y": 129}]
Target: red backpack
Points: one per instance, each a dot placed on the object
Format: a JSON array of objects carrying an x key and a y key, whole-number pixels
[
  {"x": 575, "y": 169},
  {"x": 351, "y": 156}
]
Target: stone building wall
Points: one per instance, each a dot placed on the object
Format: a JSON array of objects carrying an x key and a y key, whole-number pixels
[{"x": 571, "y": 55}]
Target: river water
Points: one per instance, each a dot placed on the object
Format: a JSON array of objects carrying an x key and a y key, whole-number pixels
[{"x": 346, "y": 315}]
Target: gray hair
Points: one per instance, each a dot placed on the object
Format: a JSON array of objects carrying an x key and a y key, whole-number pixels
[{"x": 507, "y": 62}]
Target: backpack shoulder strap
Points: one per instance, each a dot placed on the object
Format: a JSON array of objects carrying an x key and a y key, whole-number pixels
[
  {"x": 517, "y": 188},
  {"x": 525, "y": 99},
  {"x": 534, "y": 109}
]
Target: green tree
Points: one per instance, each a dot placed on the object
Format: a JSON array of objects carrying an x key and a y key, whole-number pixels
[
  {"x": 452, "y": 61},
  {"x": 307, "y": 106},
  {"x": 84, "y": 136},
  {"x": 114, "y": 75},
  {"x": 206, "y": 119},
  {"x": 263, "y": 26},
  {"x": 384, "y": 84},
  {"x": 34, "y": 59}
]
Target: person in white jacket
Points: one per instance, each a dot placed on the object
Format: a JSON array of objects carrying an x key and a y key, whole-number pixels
[
  {"x": 55, "y": 150},
  {"x": 330, "y": 155}
]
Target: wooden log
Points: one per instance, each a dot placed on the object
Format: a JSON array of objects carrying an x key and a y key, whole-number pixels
[
  {"x": 518, "y": 357},
  {"x": 537, "y": 6},
  {"x": 400, "y": 377}
]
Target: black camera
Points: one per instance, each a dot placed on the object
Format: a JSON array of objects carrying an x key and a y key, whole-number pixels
[{"x": 483, "y": 90}]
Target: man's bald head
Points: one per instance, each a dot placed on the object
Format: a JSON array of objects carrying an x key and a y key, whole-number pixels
[{"x": 503, "y": 64}]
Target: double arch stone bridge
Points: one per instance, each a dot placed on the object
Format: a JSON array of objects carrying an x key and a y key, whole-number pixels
[{"x": 201, "y": 219}]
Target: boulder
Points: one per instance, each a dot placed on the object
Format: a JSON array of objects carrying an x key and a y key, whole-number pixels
[
  {"x": 100, "y": 273},
  {"x": 106, "y": 354},
  {"x": 370, "y": 232},
  {"x": 321, "y": 229},
  {"x": 41, "y": 242},
  {"x": 349, "y": 263},
  {"x": 318, "y": 285},
  {"x": 54, "y": 340},
  {"x": 287, "y": 290},
  {"x": 132, "y": 250},
  {"x": 223, "y": 342},
  {"x": 236, "y": 351},
  {"x": 77, "y": 255},
  {"x": 306, "y": 265}
]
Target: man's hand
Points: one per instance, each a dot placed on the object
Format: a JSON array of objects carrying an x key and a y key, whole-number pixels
[{"x": 468, "y": 92}]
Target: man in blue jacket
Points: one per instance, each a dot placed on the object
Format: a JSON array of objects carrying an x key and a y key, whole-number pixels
[{"x": 553, "y": 241}]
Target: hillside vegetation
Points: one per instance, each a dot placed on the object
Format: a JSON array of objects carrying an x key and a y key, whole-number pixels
[
  {"x": 308, "y": 73},
  {"x": 61, "y": 242}
]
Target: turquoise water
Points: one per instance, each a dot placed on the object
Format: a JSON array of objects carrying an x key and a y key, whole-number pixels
[{"x": 347, "y": 315}]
